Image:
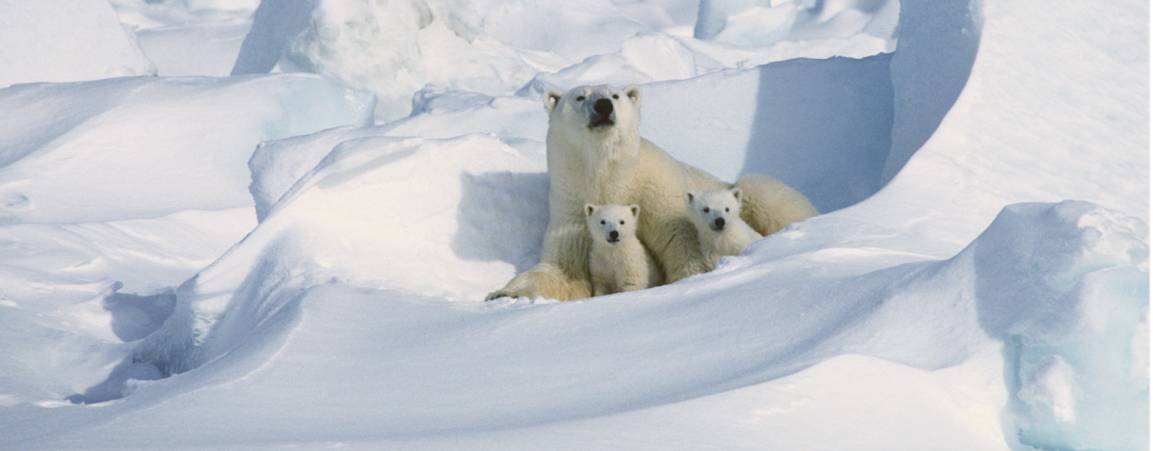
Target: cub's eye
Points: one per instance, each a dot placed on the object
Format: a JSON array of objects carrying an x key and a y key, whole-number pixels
[
  {"x": 602, "y": 222},
  {"x": 726, "y": 209},
  {"x": 580, "y": 98},
  {"x": 706, "y": 210},
  {"x": 616, "y": 96},
  {"x": 622, "y": 223}
]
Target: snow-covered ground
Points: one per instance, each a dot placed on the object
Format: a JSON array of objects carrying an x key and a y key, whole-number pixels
[{"x": 289, "y": 248}]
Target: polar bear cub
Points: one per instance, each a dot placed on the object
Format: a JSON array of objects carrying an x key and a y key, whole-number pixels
[
  {"x": 618, "y": 261},
  {"x": 720, "y": 229}
]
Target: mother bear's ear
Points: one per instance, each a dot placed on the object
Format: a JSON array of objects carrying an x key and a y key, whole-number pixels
[
  {"x": 551, "y": 100},
  {"x": 634, "y": 93}
]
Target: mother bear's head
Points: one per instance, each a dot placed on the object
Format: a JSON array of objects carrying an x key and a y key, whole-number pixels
[{"x": 601, "y": 116}]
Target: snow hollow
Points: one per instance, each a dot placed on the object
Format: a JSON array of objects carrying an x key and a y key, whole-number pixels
[{"x": 245, "y": 224}]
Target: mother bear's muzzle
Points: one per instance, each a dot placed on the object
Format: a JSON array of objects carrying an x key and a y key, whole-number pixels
[{"x": 602, "y": 114}]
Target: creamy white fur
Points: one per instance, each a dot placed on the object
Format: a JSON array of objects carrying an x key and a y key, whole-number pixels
[
  {"x": 718, "y": 241},
  {"x": 615, "y": 165},
  {"x": 619, "y": 263}
]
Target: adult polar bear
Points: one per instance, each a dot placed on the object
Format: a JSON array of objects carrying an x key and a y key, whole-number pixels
[{"x": 597, "y": 156}]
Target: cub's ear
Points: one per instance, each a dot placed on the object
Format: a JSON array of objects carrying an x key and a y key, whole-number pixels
[
  {"x": 634, "y": 93},
  {"x": 737, "y": 193},
  {"x": 589, "y": 209},
  {"x": 689, "y": 197},
  {"x": 551, "y": 100},
  {"x": 635, "y": 209}
]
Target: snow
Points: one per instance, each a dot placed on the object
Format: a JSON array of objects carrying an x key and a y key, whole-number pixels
[
  {"x": 113, "y": 192},
  {"x": 395, "y": 48},
  {"x": 65, "y": 40},
  {"x": 188, "y": 37},
  {"x": 259, "y": 262},
  {"x": 187, "y": 154}
]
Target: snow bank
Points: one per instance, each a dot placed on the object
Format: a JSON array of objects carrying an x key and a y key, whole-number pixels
[
  {"x": 396, "y": 49},
  {"x": 822, "y": 126},
  {"x": 1073, "y": 320},
  {"x": 374, "y": 212},
  {"x": 65, "y": 40},
  {"x": 355, "y": 295},
  {"x": 437, "y": 114},
  {"x": 188, "y": 37},
  {"x": 73, "y": 297},
  {"x": 391, "y": 49},
  {"x": 114, "y": 191},
  {"x": 751, "y": 23},
  {"x": 76, "y": 149}
]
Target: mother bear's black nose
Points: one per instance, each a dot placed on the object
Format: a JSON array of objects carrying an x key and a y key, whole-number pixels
[
  {"x": 720, "y": 222},
  {"x": 603, "y": 107},
  {"x": 614, "y": 235}
]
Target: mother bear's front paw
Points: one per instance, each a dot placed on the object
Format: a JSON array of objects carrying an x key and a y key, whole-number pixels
[{"x": 507, "y": 293}]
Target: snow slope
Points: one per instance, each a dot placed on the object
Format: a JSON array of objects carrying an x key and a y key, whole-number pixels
[
  {"x": 950, "y": 298},
  {"x": 114, "y": 191},
  {"x": 188, "y": 37},
  {"x": 65, "y": 40},
  {"x": 495, "y": 48},
  {"x": 189, "y": 155}
]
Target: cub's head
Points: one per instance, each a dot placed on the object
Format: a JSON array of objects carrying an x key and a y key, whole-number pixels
[
  {"x": 611, "y": 223},
  {"x": 596, "y": 110},
  {"x": 715, "y": 209}
]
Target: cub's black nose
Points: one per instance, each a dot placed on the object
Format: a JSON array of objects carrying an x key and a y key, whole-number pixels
[
  {"x": 613, "y": 236},
  {"x": 603, "y": 107},
  {"x": 720, "y": 223}
]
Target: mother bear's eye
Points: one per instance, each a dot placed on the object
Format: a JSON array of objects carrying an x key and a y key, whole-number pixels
[
  {"x": 602, "y": 222},
  {"x": 726, "y": 209},
  {"x": 706, "y": 210},
  {"x": 622, "y": 223},
  {"x": 580, "y": 98},
  {"x": 616, "y": 96}
]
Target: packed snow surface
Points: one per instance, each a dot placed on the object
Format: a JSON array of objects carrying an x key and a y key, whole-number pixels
[
  {"x": 284, "y": 260},
  {"x": 65, "y": 40}
]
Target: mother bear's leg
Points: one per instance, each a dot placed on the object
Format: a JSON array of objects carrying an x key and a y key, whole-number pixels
[
  {"x": 770, "y": 205},
  {"x": 562, "y": 273}
]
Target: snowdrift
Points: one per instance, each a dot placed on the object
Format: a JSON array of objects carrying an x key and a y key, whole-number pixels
[
  {"x": 396, "y": 48},
  {"x": 966, "y": 299},
  {"x": 188, "y": 37},
  {"x": 111, "y": 193},
  {"x": 67, "y": 40},
  {"x": 187, "y": 153}
]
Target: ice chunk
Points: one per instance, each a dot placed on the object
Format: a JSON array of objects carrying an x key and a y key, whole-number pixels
[
  {"x": 1066, "y": 287},
  {"x": 391, "y": 48}
]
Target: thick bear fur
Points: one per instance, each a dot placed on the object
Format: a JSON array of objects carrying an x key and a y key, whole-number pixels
[
  {"x": 597, "y": 156},
  {"x": 720, "y": 229},
  {"x": 618, "y": 261}
]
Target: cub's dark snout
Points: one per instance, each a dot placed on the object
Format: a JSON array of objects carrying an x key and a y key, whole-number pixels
[
  {"x": 614, "y": 236},
  {"x": 603, "y": 107},
  {"x": 719, "y": 223}
]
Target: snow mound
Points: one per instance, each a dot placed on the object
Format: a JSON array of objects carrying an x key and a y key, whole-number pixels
[
  {"x": 189, "y": 37},
  {"x": 1066, "y": 287},
  {"x": 397, "y": 48},
  {"x": 391, "y": 49},
  {"x": 974, "y": 320},
  {"x": 287, "y": 287},
  {"x": 185, "y": 151},
  {"x": 374, "y": 212},
  {"x": 66, "y": 40},
  {"x": 753, "y": 23}
]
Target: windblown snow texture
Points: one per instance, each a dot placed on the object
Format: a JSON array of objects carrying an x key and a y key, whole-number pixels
[{"x": 297, "y": 259}]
